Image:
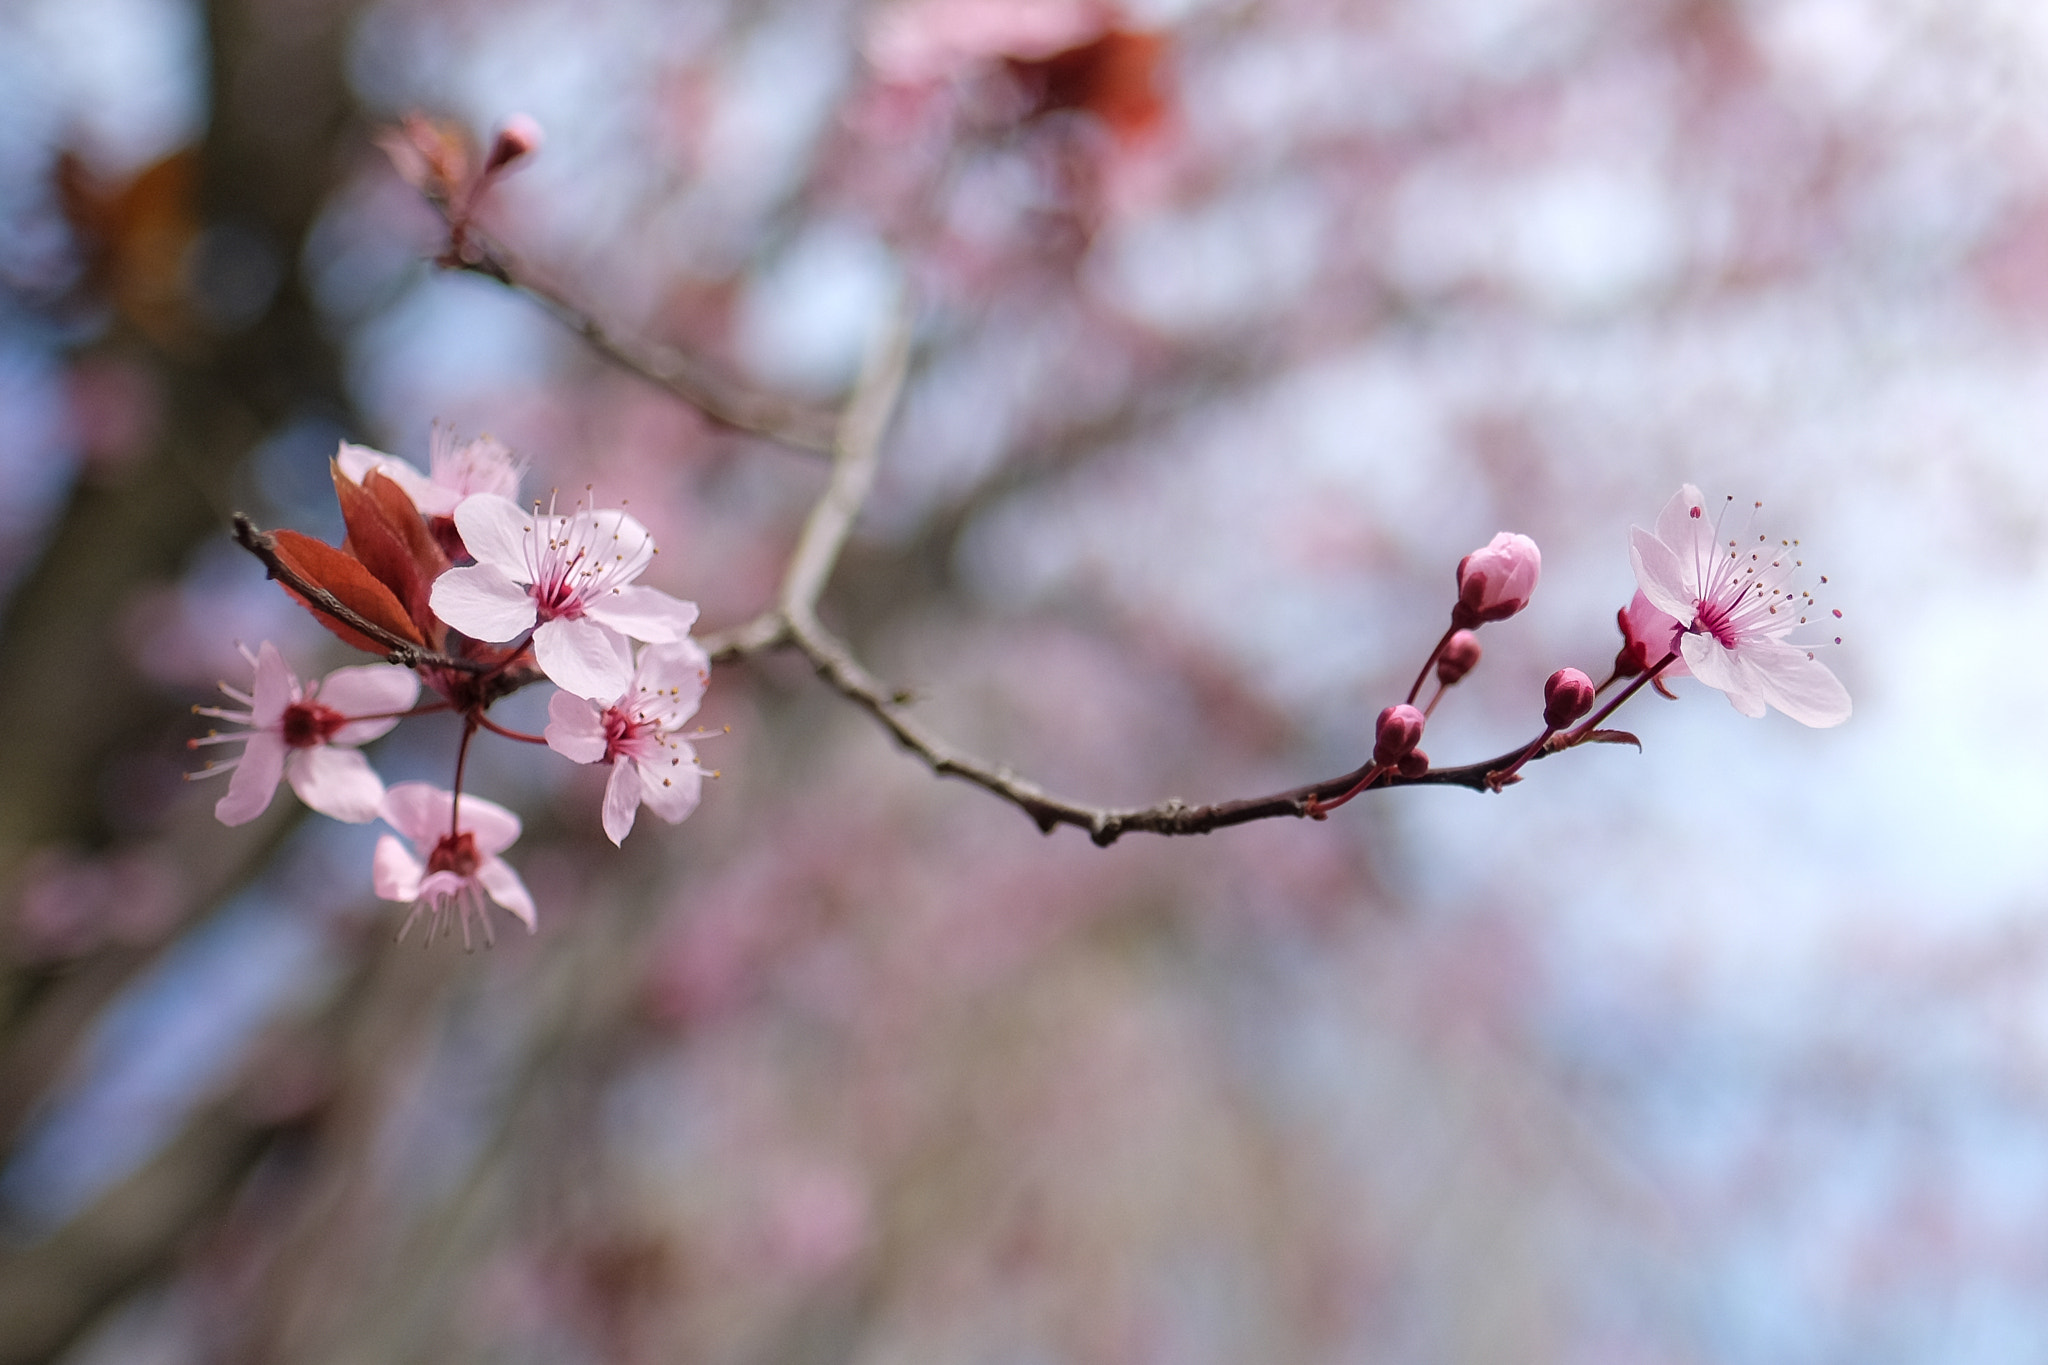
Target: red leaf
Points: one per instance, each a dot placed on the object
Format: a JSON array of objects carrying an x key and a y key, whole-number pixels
[
  {"x": 323, "y": 566},
  {"x": 388, "y": 537}
]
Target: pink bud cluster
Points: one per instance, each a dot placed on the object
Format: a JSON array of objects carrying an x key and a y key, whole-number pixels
[
  {"x": 482, "y": 598},
  {"x": 1713, "y": 605}
]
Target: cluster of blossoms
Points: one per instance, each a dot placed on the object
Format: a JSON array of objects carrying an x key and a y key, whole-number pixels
[
  {"x": 474, "y": 597},
  {"x": 1710, "y": 604}
]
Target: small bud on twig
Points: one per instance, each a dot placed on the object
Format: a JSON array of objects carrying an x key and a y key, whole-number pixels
[
  {"x": 1460, "y": 656},
  {"x": 1567, "y": 696}
]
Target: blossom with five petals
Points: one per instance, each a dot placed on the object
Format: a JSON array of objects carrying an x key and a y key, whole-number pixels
[
  {"x": 1734, "y": 606},
  {"x": 640, "y": 735},
  {"x": 453, "y": 864},
  {"x": 455, "y": 470},
  {"x": 307, "y": 736},
  {"x": 569, "y": 580}
]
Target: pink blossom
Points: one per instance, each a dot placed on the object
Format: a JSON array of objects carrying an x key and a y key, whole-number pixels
[
  {"x": 461, "y": 864},
  {"x": 1496, "y": 581},
  {"x": 1732, "y": 598},
  {"x": 640, "y": 736},
  {"x": 307, "y": 736},
  {"x": 569, "y": 580},
  {"x": 457, "y": 470}
]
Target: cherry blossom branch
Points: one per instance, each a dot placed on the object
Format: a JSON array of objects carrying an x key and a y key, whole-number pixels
[
  {"x": 400, "y": 650},
  {"x": 793, "y": 624},
  {"x": 723, "y": 401}
]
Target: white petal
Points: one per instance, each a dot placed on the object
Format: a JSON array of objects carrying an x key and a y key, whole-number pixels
[
  {"x": 418, "y": 810},
  {"x": 368, "y": 690},
  {"x": 621, "y": 801},
  {"x": 357, "y": 461},
  {"x": 644, "y": 613},
  {"x": 394, "y": 872},
  {"x": 498, "y": 532},
  {"x": 671, "y": 783},
  {"x": 575, "y": 728},
  {"x": 336, "y": 782},
  {"x": 275, "y": 687},
  {"x": 1720, "y": 669},
  {"x": 254, "y": 780},
  {"x": 1660, "y": 576},
  {"x": 581, "y": 657},
  {"x": 507, "y": 890},
  {"x": 1800, "y": 686},
  {"x": 496, "y": 829},
  {"x": 483, "y": 603}
]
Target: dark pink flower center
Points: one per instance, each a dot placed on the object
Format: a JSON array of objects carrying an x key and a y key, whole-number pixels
[
  {"x": 455, "y": 853},
  {"x": 557, "y": 599},
  {"x": 308, "y": 724}
]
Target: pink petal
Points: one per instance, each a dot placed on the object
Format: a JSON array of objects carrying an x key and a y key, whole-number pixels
[
  {"x": 1722, "y": 670},
  {"x": 368, "y": 690},
  {"x": 394, "y": 872},
  {"x": 1800, "y": 686},
  {"x": 483, "y": 603},
  {"x": 644, "y": 613},
  {"x": 496, "y": 829},
  {"x": 680, "y": 671},
  {"x": 274, "y": 690},
  {"x": 499, "y": 532},
  {"x": 336, "y": 782},
  {"x": 1690, "y": 538},
  {"x": 254, "y": 780},
  {"x": 507, "y": 890},
  {"x": 582, "y": 657},
  {"x": 1660, "y": 576},
  {"x": 621, "y": 801},
  {"x": 671, "y": 784},
  {"x": 418, "y": 810},
  {"x": 575, "y": 728}
]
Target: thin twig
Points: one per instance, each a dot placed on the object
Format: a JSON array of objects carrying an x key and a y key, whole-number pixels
[
  {"x": 400, "y": 650},
  {"x": 722, "y": 400}
]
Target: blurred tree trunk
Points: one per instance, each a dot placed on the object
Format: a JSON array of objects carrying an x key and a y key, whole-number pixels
[{"x": 281, "y": 124}]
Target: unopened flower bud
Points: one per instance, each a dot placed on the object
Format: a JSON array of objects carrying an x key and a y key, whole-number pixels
[
  {"x": 1648, "y": 636},
  {"x": 1395, "y": 737},
  {"x": 1496, "y": 582},
  {"x": 1414, "y": 764},
  {"x": 517, "y": 138},
  {"x": 1460, "y": 656},
  {"x": 1567, "y": 696}
]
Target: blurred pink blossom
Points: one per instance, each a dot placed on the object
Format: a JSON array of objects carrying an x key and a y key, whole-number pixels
[{"x": 455, "y": 470}]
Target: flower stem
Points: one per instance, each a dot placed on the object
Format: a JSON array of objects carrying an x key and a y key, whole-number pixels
[
  {"x": 1319, "y": 809},
  {"x": 1416, "y": 690},
  {"x": 519, "y": 735},
  {"x": 469, "y": 724},
  {"x": 1500, "y": 779},
  {"x": 1592, "y": 722}
]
